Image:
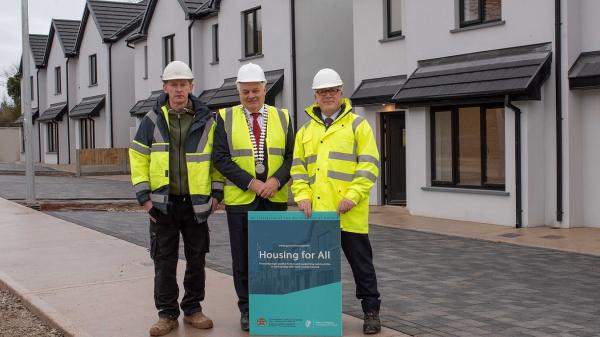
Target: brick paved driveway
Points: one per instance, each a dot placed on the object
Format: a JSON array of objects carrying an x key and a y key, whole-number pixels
[{"x": 435, "y": 285}]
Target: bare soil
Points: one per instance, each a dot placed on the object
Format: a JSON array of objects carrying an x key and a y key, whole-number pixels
[{"x": 17, "y": 321}]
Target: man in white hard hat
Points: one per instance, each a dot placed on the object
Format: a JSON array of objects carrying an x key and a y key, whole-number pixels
[
  {"x": 176, "y": 184},
  {"x": 253, "y": 149},
  {"x": 335, "y": 166}
]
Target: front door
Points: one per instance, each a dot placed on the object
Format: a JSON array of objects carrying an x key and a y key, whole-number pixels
[{"x": 394, "y": 158}]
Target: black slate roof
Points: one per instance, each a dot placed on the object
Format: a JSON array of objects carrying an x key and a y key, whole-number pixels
[
  {"x": 585, "y": 72},
  {"x": 34, "y": 115},
  {"x": 67, "y": 33},
  {"x": 227, "y": 94},
  {"x": 479, "y": 77},
  {"x": 38, "y": 48},
  {"x": 141, "y": 107},
  {"x": 193, "y": 9},
  {"x": 112, "y": 16},
  {"x": 377, "y": 90},
  {"x": 206, "y": 95},
  {"x": 88, "y": 107},
  {"x": 54, "y": 112}
]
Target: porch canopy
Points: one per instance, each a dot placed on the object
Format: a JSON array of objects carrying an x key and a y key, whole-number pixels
[
  {"x": 227, "y": 94},
  {"x": 141, "y": 107},
  {"x": 206, "y": 95},
  {"x": 480, "y": 77},
  {"x": 585, "y": 73},
  {"x": 88, "y": 107},
  {"x": 377, "y": 90},
  {"x": 34, "y": 115},
  {"x": 53, "y": 113}
]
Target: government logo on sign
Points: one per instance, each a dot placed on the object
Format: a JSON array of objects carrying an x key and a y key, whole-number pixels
[{"x": 261, "y": 322}]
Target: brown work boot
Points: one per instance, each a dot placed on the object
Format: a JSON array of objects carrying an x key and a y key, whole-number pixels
[
  {"x": 198, "y": 320},
  {"x": 163, "y": 326}
]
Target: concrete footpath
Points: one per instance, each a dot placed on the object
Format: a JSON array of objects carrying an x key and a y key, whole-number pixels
[{"x": 91, "y": 284}]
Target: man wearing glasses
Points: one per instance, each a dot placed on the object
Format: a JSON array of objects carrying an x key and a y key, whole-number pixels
[{"x": 335, "y": 166}]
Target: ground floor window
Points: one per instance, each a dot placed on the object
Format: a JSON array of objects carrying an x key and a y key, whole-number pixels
[
  {"x": 467, "y": 147},
  {"x": 22, "y": 138},
  {"x": 86, "y": 130},
  {"x": 52, "y": 129}
]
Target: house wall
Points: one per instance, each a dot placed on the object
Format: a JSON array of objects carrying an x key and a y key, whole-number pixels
[
  {"x": 324, "y": 39},
  {"x": 92, "y": 44},
  {"x": 168, "y": 19},
  {"x": 123, "y": 95},
  {"x": 430, "y": 32},
  {"x": 275, "y": 46},
  {"x": 56, "y": 58}
]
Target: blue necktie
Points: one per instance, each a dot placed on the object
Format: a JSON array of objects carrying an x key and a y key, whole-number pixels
[{"x": 328, "y": 122}]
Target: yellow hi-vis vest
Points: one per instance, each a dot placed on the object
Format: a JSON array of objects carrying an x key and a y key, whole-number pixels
[
  {"x": 242, "y": 152},
  {"x": 335, "y": 163},
  {"x": 149, "y": 159}
]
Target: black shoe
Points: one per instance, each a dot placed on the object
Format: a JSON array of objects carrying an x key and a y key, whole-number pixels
[
  {"x": 372, "y": 324},
  {"x": 244, "y": 321}
]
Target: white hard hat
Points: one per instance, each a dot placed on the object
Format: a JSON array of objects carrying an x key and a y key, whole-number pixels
[
  {"x": 250, "y": 73},
  {"x": 177, "y": 70},
  {"x": 326, "y": 78}
]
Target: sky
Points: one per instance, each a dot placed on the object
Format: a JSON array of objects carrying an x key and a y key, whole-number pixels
[{"x": 41, "y": 12}]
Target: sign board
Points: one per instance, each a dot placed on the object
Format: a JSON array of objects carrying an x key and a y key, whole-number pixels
[{"x": 294, "y": 274}]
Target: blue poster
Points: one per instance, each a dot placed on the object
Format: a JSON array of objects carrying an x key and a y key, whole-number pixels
[{"x": 294, "y": 274}]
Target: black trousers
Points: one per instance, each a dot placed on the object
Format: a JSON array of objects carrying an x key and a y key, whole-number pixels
[
  {"x": 238, "y": 241},
  {"x": 357, "y": 248},
  {"x": 164, "y": 250}
]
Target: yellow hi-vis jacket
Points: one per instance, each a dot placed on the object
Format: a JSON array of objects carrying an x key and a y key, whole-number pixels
[
  {"x": 335, "y": 163},
  {"x": 242, "y": 152},
  {"x": 149, "y": 160}
]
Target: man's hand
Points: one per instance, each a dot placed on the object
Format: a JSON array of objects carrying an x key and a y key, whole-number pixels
[
  {"x": 215, "y": 205},
  {"x": 344, "y": 206},
  {"x": 147, "y": 207},
  {"x": 306, "y": 206},
  {"x": 269, "y": 188},
  {"x": 256, "y": 186}
]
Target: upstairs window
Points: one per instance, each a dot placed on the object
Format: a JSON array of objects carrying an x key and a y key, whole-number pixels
[
  {"x": 215, "y": 43},
  {"x": 93, "y": 70},
  {"x": 475, "y": 12},
  {"x": 393, "y": 18},
  {"x": 168, "y": 50},
  {"x": 145, "y": 62},
  {"x": 252, "y": 32},
  {"x": 57, "y": 81},
  {"x": 31, "y": 88}
]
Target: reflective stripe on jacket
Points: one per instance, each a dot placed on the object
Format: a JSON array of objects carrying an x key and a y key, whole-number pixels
[
  {"x": 335, "y": 163},
  {"x": 242, "y": 152},
  {"x": 149, "y": 159}
]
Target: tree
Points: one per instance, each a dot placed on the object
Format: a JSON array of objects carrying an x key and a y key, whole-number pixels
[{"x": 10, "y": 111}]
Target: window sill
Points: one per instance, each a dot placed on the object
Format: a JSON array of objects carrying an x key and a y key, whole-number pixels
[
  {"x": 51, "y": 152},
  {"x": 482, "y": 25},
  {"x": 214, "y": 63},
  {"x": 248, "y": 58},
  {"x": 393, "y": 38},
  {"x": 465, "y": 191},
  {"x": 92, "y": 85}
]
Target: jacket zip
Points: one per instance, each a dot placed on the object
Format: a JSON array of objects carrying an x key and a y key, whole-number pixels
[{"x": 179, "y": 159}]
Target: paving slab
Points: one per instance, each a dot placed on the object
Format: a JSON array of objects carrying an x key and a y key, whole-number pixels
[
  {"x": 438, "y": 285},
  {"x": 98, "y": 285}
]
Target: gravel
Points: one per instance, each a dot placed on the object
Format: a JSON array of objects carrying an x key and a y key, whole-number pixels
[{"x": 17, "y": 321}]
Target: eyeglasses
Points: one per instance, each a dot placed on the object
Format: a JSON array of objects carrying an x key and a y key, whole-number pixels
[{"x": 327, "y": 91}]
